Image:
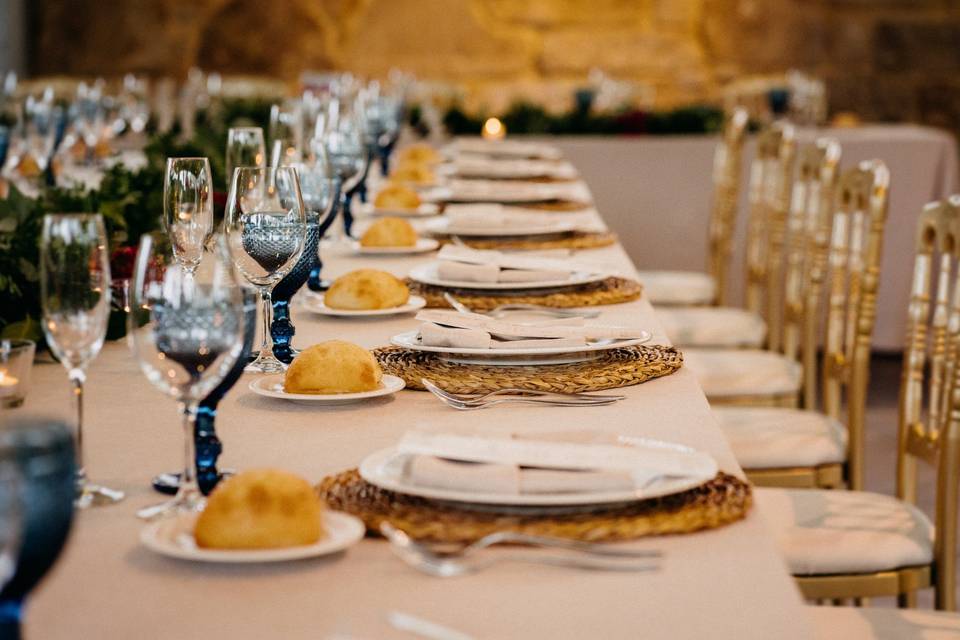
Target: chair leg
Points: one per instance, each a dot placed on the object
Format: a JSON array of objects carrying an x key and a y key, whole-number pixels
[
  {"x": 907, "y": 600},
  {"x": 861, "y": 602}
]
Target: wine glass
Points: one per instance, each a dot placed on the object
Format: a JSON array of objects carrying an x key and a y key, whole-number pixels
[
  {"x": 286, "y": 133},
  {"x": 42, "y": 454},
  {"x": 340, "y": 136},
  {"x": 11, "y": 517},
  {"x": 245, "y": 148},
  {"x": 188, "y": 208},
  {"x": 75, "y": 296},
  {"x": 186, "y": 332},
  {"x": 266, "y": 229}
]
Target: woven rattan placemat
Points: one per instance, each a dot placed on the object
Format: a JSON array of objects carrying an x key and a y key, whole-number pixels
[
  {"x": 612, "y": 290},
  {"x": 723, "y": 500},
  {"x": 570, "y": 240},
  {"x": 611, "y": 369}
]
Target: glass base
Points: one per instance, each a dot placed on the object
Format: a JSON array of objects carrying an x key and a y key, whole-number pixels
[
  {"x": 266, "y": 364},
  {"x": 185, "y": 502},
  {"x": 95, "y": 495}
]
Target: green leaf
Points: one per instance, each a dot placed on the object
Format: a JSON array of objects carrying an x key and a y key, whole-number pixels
[
  {"x": 28, "y": 270},
  {"x": 26, "y": 329}
]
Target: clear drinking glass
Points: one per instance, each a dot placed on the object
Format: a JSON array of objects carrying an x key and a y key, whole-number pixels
[
  {"x": 266, "y": 230},
  {"x": 245, "y": 148},
  {"x": 186, "y": 332},
  {"x": 188, "y": 208},
  {"x": 286, "y": 133},
  {"x": 75, "y": 295}
]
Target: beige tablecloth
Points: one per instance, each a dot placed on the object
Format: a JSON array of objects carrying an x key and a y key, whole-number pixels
[
  {"x": 655, "y": 193},
  {"x": 726, "y": 583}
]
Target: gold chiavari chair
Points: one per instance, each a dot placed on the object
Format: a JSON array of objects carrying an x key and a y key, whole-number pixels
[
  {"x": 704, "y": 288},
  {"x": 855, "y": 544},
  {"x": 734, "y": 327},
  {"x": 805, "y": 447}
]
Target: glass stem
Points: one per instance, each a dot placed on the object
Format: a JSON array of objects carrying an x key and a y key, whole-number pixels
[
  {"x": 78, "y": 377},
  {"x": 266, "y": 347},
  {"x": 188, "y": 480}
]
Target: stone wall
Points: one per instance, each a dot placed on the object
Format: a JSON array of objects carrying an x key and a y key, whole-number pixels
[{"x": 887, "y": 59}]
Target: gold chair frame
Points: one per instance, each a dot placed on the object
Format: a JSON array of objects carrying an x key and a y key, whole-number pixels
[
  {"x": 727, "y": 162},
  {"x": 929, "y": 423},
  {"x": 844, "y": 243}
]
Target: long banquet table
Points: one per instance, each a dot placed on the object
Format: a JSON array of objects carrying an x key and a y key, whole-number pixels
[{"x": 724, "y": 583}]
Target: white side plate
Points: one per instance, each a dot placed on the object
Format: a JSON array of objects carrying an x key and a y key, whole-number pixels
[
  {"x": 423, "y": 245},
  {"x": 272, "y": 387},
  {"x": 427, "y": 274},
  {"x": 314, "y": 303},
  {"x": 173, "y": 537}
]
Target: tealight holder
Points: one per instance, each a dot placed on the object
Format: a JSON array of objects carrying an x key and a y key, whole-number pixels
[{"x": 16, "y": 361}]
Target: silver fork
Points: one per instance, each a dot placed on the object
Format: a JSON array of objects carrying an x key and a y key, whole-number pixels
[
  {"x": 512, "y": 391},
  {"x": 501, "y": 310},
  {"x": 426, "y": 560},
  {"x": 513, "y": 396}
]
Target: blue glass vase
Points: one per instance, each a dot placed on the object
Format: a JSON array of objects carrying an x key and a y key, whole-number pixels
[{"x": 44, "y": 457}]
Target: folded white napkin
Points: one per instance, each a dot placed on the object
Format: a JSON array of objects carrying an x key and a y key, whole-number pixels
[
  {"x": 515, "y": 148},
  {"x": 531, "y": 275},
  {"x": 462, "y": 272},
  {"x": 457, "y": 253},
  {"x": 434, "y": 335},
  {"x": 554, "y": 328},
  {"x": 482, "y": 167},
  {"x": 514, "y": 465}
]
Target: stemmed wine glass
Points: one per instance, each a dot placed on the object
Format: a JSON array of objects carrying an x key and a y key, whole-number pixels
[
  {"x": 245, "y": 148},
  {"x": 188, "y": 208},
  {"x": 286, "y": 133},
  {"x": 266, "y": 227},
  {"x": 75, "y": 295},
  {"x": 186, "y": 332},
  {"x": 340, "y": 136}
]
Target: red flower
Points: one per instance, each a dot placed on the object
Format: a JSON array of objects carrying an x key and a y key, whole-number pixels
[{"x": 121, "y": 262}]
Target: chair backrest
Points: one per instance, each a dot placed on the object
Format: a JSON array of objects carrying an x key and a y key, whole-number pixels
[
  {"x": 929, "y": 420},
  {"x": 727, "y": 161},
  {"x": 808, "y": 240},
  {"x": 771, "y": 177},
  {"x": 856, "y": 244}
]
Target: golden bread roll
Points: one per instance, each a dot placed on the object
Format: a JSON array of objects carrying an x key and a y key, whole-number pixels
[
  {"x": 397, "y": 196},
  {"x": 260, "y": 509},
  {"x": 416, "y": 173},
  {"x": 334, "y": 366},
  {"x": 389, "y": 232},
  {"x": 365, "y": 289},
  {"x": 420, "y": 153}
]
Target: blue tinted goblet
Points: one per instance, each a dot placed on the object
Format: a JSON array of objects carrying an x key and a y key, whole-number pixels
[{"x": 43, "y": 454}]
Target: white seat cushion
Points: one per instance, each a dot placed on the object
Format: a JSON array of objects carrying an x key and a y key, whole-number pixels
[
  {"x": 776, "y": 438},
  {"x": 713, "y": 327},
  {"x": 873, "y": 623},
  {"x": 743, "y": 372},
  {"x": 821, "y": 532},
  {"x": 678, "y": 287}
]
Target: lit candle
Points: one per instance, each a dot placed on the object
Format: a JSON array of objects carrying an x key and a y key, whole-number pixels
[
  {"x": 8, "y": 383},
  {"x": 493, "y": 129}
]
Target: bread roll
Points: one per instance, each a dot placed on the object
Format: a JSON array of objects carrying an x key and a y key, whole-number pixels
[
  {"x": 334, "y": 366},
  {"x": 397, "y": 196},
  {"x": 420, "y": 153},
  {"x": 260, "y": 509},
  {"x": 413, "y": 172},
  {"x": 366, "y": 289},
  {"x": 389, "y": 232}
]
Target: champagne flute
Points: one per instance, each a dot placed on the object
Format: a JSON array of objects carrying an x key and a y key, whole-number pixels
[
  {"x": 266, "y": 227},
  {"x": 185, "y": 329},
  {"x": 188, "y": 208},
  {"x": 75, "y": 296},
  {"x": 245, "y": 148}
]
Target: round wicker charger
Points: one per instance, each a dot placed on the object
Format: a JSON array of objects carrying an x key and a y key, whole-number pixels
[
  {"x": 616, "y": 368},
  {"x": 569, "y": 240},
  {"x": 611, "y": 290},
  {"x": 723, "y": 500}
]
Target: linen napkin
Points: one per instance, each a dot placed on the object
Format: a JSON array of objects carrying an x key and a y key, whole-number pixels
[
  {"x": 553, "y": 328},
  {"x": 515, "y": 465},
  {"x": 457, "y": 253},
  {"x": 476, "y": 166},
  {"x": 514, "y": 148}
]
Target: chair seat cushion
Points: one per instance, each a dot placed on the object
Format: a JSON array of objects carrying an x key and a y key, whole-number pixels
[
  {"x": 874, "y": 623},
  {"x": 822, "y": 532},
  {"x": 778, "y": 438},
  {"x": 725, "y": 373},
  {"x": 678, "y": 287},
  {"x": 713, "y": 327}
]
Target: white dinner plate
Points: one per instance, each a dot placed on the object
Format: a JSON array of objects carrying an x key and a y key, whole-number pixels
[
  {"x": 424, "y": 210},
  {"x": 423, "y": 245},
  {"x": 384, "y": 469},
  {"x": 411, "y": 340},
  {"x": 272, "y": 387},
  {"x": 314, "y": 303},
  {"x": 427, "y": 274},
  {"x": 173, "y": 537},
  {"x": 444, "y": 226}
]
